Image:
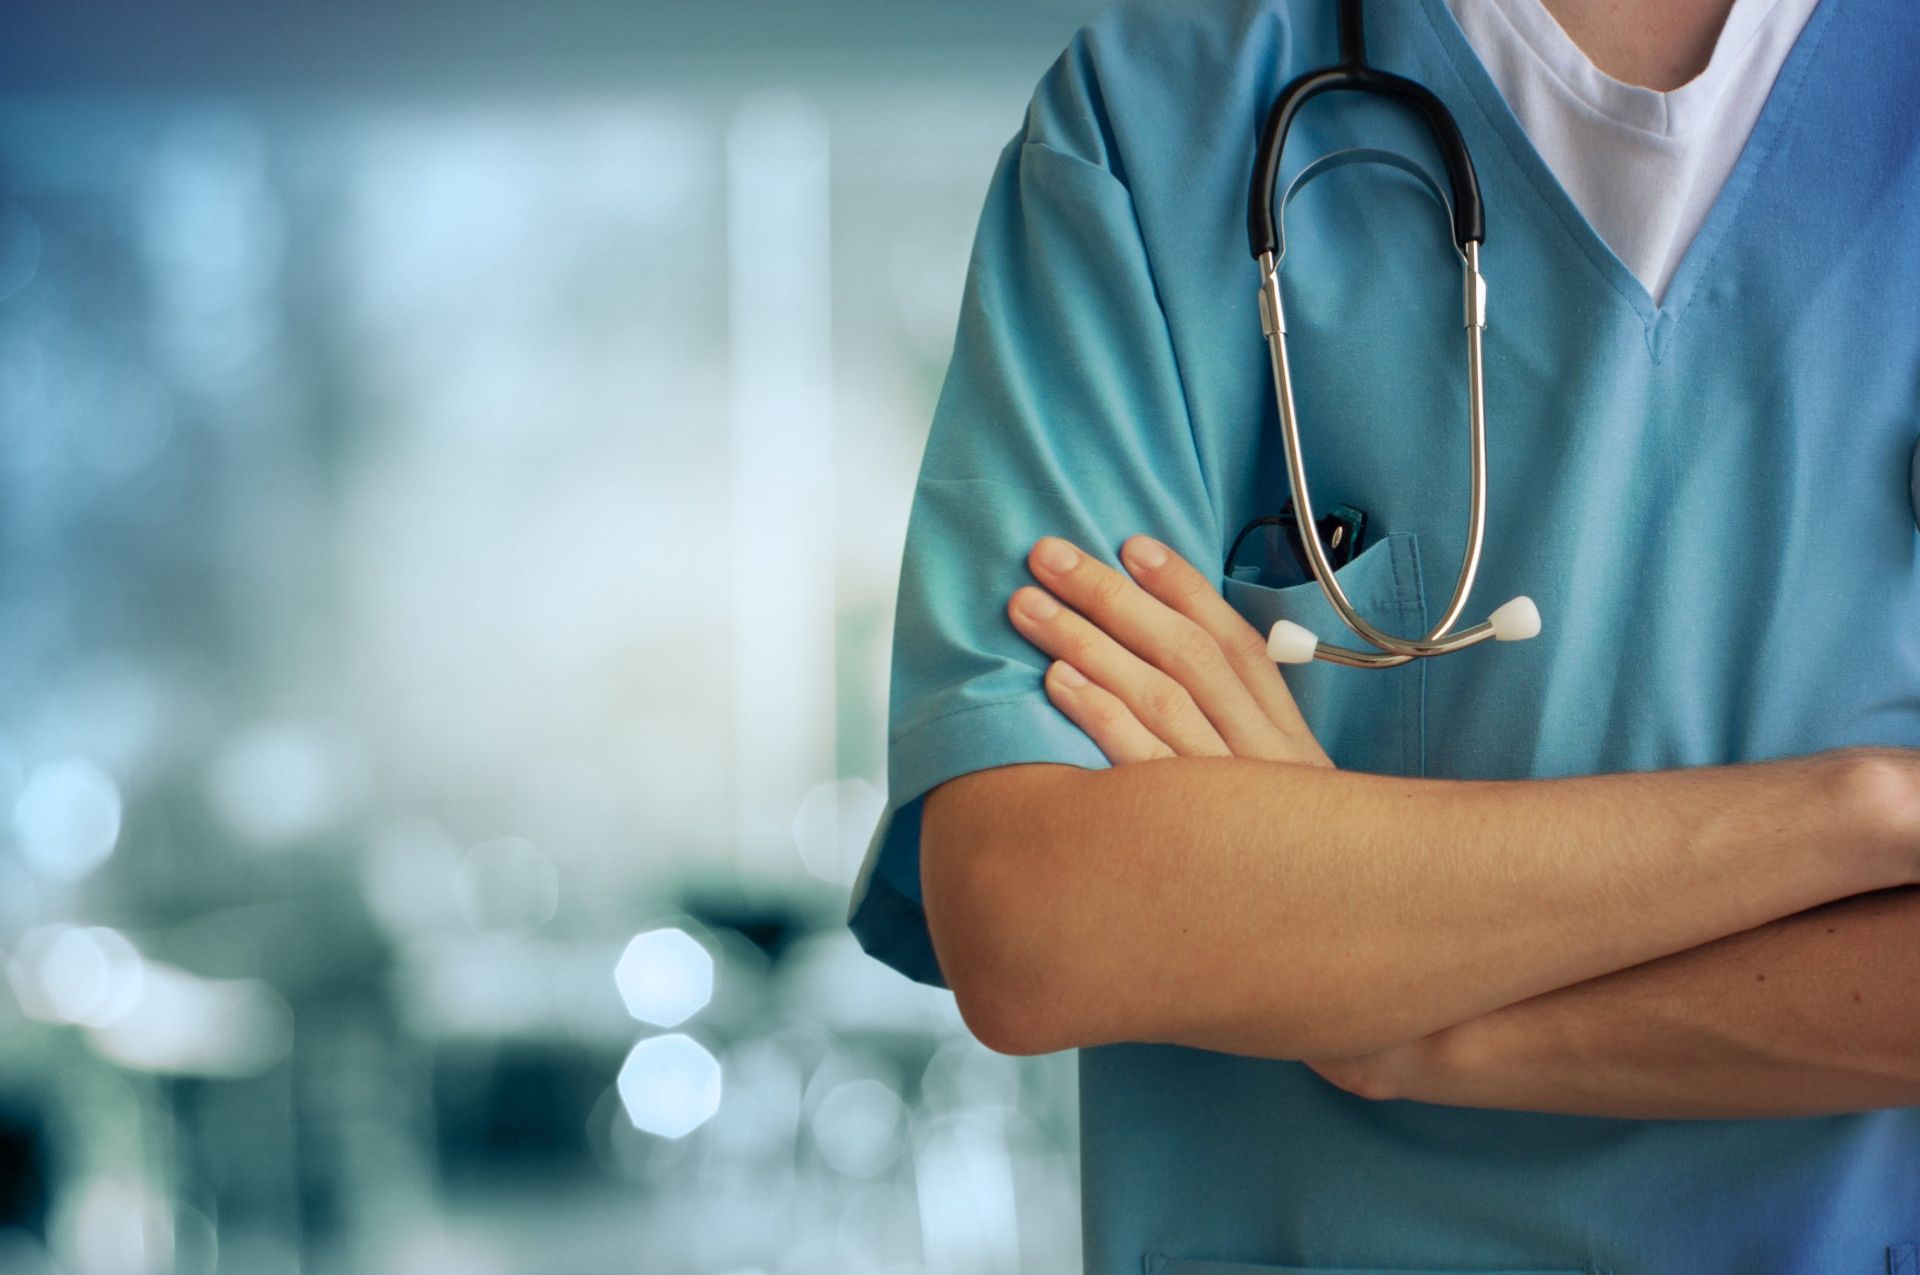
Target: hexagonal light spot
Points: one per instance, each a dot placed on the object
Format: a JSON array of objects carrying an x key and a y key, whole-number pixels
[
  {"x": 833, "y": 825},
  {"x": 507, "y": 886},
  {"x": 67, "y": 819},
  {"x": 670, "y": 1085},
  {"x": 858, "y": 1126},
  {"x": 72, "y": 974},
  {"x": 665, "y": 977}
]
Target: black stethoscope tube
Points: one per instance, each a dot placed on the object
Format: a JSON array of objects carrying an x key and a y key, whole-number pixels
[{"x": 1354, "y": 75}]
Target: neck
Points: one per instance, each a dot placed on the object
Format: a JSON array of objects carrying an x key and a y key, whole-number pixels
[{"x": 1656, "y": 44}]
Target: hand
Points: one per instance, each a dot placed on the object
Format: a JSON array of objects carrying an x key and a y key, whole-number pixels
[{"x": 1161, "y": 668}]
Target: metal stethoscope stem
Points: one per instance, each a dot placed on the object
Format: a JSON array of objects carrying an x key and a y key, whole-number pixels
[{"x": 1289, "y": 643}]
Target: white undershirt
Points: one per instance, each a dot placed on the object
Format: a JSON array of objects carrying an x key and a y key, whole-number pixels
[{"x": 1643, "y": 167}]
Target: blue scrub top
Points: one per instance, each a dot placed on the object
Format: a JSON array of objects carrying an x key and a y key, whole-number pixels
[{"x": 1710, "y": 499}]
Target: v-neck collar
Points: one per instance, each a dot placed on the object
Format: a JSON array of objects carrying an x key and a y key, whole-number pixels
[
  {"x": 1657, "y": 320},
  {"x": 1669, "y": 113}
]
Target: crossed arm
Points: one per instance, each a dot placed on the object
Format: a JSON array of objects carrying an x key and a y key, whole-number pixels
[
  {"x": 1814, "y": 1014},
  {"x": 1682, "y": 944}
]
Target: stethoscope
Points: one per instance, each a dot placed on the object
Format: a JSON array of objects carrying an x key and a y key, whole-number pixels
[{"x": 1288, "y": 642}]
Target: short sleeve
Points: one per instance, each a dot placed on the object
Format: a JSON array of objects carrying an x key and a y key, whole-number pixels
[{"x": 1062, "y": 414}]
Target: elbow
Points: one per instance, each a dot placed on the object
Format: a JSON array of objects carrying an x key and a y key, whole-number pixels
[
  {"x": 994, "y": 974},
  {"x": 996, "y": 967},
  {"x": 981, "y": 889},
  {"x": 1005, "y": 1023}
]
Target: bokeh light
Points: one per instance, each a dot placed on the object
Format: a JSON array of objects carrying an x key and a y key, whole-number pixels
[
  {"x": 665, "y": 977},
  {"x": 182, "y": 1024},
  {"x": 67, "y": 818},
  {"x": 116, "y": 1226},
  {"x": 670, "y": 1085},
  {"x": 281, "y": 782},
  {"x": 87, "y": 975},
  {"x": 857, "y": 1127},
  {"x": 507, "y": 886},
  {"x": 408, "y": 867},
  {"x": 833, "y": 825}
]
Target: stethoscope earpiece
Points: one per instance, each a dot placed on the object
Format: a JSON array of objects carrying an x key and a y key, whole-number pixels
[
  {"x": 1515, "y": 621},
  {"x": 1290, "y": 643}
]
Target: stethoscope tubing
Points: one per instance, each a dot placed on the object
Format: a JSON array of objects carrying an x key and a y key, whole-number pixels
[{"x": 1267, "y": 238}]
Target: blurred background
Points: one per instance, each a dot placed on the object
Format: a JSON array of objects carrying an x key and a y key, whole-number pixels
[{"x": 453, "y": 467}]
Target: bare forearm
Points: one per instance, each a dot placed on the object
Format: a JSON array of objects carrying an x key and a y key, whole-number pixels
[
  {"x": 1294, "y": 912},
  {"x": 1814, "y": 1014}
]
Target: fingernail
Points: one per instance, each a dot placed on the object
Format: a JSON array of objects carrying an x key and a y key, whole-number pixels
[
  {"x": 1068, "y": 674},
  {"x": 1036, "y": 605},
  {"x": 1057, "y": 556},
  {"x": 1146, "y": 553}
]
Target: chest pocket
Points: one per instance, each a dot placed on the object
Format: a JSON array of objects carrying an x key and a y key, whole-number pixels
[{"x": 1367, "y": 719}]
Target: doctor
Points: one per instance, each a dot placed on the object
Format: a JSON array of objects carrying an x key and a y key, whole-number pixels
[{"x": 1595, "y": 953}]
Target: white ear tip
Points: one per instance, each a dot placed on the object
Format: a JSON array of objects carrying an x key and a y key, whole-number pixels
[
  {"x": 1515, "y": 621},
  {"x": 1289, "y": 643}
]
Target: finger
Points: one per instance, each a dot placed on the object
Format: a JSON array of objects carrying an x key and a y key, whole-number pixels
[
  {"x": 1174, "y": 581},
  {"x": 1101, "y": 714},
  {"x": 1163, "y": 638},
  {"x": 1160, "y": 703}
]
